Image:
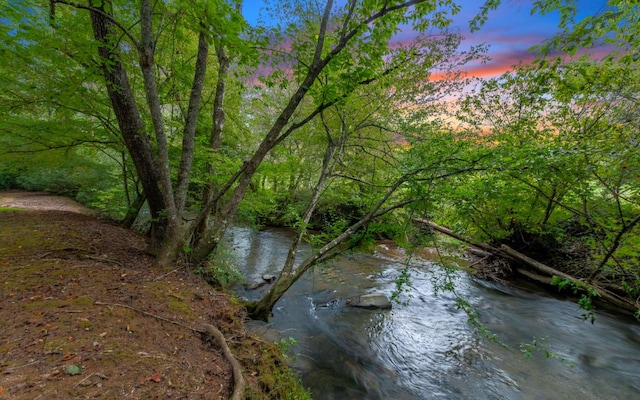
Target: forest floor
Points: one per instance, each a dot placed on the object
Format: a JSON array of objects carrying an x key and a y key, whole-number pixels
[{"x": 84, "y": 315}]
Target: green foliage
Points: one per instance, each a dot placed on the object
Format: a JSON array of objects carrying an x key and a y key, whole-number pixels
[
  {"x": 544, "y": 150},
  {"x": 616, "y": 24},
  {"x": 8, "y": 179},
  {"x": 402, "y": 286},
  {"x": 586, "y": 292},
  {"x": 558, "y": 179},
  {"x": 219, "y": 270},
  {"x": 276, "y": 379},
  {"x": 539, "y": 345},
  {"x": 286, "y": 345},
  {"x": 331, "y": 231}
]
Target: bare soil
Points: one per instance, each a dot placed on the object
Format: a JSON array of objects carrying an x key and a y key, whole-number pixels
[{"x": 84, "y": 315}]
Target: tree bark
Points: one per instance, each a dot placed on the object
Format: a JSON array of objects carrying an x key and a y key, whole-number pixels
[
  {"x": 209, "y": 243},
  {"x": 189, "y": 132},
  {"x": 215, "y": 138},
  {"x": 263, "y": 307}
]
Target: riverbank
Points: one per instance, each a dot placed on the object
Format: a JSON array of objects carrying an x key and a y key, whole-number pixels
[{"x": 85, "y": 315}]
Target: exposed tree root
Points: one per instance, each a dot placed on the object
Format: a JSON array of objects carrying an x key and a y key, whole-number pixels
[{"x": 239, "y": 384}]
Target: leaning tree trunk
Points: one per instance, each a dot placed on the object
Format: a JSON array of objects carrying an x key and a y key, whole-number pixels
[
  {"x": 131, "y": 125},
  {"x": 262, "y": 309}
]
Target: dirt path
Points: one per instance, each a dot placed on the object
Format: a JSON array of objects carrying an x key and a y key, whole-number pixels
[
  {"x": 85, "y": 315},
  {"x": 42, "y": 202}
]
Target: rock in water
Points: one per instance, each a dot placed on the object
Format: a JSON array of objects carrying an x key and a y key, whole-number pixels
[
  {"x": 269, "y": 278},
  {"x": 372, "y": 300}
]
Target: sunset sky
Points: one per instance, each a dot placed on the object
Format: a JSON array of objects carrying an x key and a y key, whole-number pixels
[{"x": 510, "y": 30}]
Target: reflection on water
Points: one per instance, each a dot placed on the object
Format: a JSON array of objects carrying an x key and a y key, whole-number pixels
[{"x": 426, "y": 349}]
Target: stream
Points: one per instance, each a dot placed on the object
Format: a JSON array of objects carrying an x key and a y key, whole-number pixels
[{"x": 425, "y": 348}]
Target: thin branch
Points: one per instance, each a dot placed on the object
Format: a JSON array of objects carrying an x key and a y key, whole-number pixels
[{"x": 105, "y": 15}]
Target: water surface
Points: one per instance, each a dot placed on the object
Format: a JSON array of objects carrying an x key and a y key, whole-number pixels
[{"x": 426, "y": 349}]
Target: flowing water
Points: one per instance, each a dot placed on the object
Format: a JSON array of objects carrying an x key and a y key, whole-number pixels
[{"x": 426, "y": 349}]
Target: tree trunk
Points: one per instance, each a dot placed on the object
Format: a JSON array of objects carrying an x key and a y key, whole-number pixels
[
  {"x": 275, "y": 135},
  {"x": 215, "y": 138},
  {"x": 262, "y": 308},
  {"x": 130, "y": 122}
]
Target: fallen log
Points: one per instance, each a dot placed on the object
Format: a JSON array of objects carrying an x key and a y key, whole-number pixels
[
  {"x": 535, "y": 277},
  {"x": 545, "y": 269},
  {"x": 487, "y": 248},
  {"x": 507, "y": 252}
]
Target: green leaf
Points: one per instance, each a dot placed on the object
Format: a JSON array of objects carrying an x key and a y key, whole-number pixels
[{"x": 73, "y": 369}]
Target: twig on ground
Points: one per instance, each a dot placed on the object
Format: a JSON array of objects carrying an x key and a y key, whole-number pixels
[
  {"x": 169, "y": 273},
  {"x": 24, "y": 365},
  {"x": 149, "y": 315},
  {"x": 89, "y": 376}
]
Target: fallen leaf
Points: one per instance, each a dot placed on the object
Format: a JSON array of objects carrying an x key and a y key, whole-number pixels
[
  {"x": 73, "y": 369},
  {"x": 67, "y": 356},
  {"x": 157, "y": 376},
  {"x": 1, "y": 390}
]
